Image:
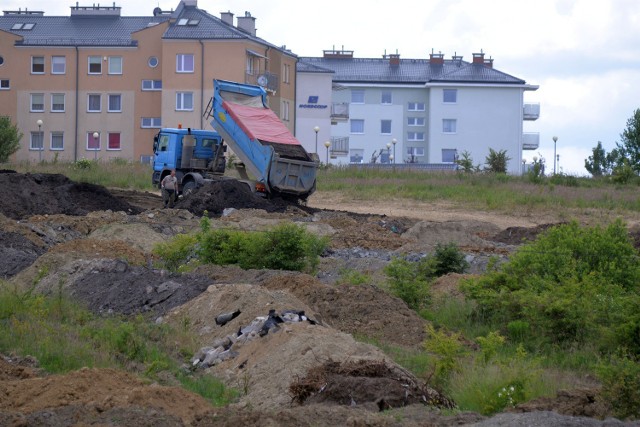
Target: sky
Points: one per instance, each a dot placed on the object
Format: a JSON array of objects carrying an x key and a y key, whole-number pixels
[{"x": 583, "y": 54}]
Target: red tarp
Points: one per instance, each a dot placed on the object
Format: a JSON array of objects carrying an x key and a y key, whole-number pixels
[{"x": 260, "y": 123}]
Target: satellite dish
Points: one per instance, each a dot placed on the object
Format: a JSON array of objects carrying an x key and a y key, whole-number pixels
[{"x": 262, "y": 80}]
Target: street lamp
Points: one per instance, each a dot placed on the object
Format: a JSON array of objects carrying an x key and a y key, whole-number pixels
[
  {"x": 316, "y": 129},
  {"x": 394, "y": 142},
  {"x": 41, "y": 147},
  {"x": 389, "y": 151},
  {"x": 327, "y": 144},
  {"x": 555, "y": 139},
  {"x": 96, "y": 135}
]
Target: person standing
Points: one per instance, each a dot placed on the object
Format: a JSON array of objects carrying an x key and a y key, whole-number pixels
[{"x": 169, "y": 187}]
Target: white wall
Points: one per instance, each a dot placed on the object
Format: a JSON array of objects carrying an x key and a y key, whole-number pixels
[{"x": 313, "y": 84}]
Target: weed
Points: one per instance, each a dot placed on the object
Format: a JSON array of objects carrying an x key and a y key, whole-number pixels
[{"x": 348, "y": 276}]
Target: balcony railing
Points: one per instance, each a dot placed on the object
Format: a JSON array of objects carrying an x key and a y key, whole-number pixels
[
  {"x": 339, "y": 146},
  {"x": 267, "y": 80},
  {"x": 530, "y": 140},
  {"x": 531, "y": 111},
  {"x": 339, "y": 111}
]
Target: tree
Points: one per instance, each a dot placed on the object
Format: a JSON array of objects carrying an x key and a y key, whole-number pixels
[
  {"x": 496, "y": 161},
  {"x": 629, "y": 147},
  {"x": 600, "y": 163},
  {"x": 10, "y": 137},
  {"x": 466, "y": 162}
]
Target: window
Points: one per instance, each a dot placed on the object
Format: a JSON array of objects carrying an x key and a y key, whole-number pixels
[
  {"x": 416, "y": 106},
  {"x": 57, "y": 102},
  {"x": 152, "y": 85},
  {"x": 115, "y": 103},
  {"x": 58, "y": 65},
  {"x": 95, "y": 65},
  {"x": 57, "y": 141},
  {"x": 151, "y": 122},
  {"x": 357, "y": 96},
  {"x": 114, "y": 141},
  {"x": 93, "y": 143},
  {"x": 286, "y": 73},
  {"x": 356, "y": 156},
  {"x": 386, "y": 97},
  {"x": 450, "y": 96},
  {"x": 184, "y": 101},
  {"x": 37, "y": 65},
  {"x": 250, "y": 64},
  {"x": 152, "y": 62},
  {"x": 115, "y": 65},
  {"x": 449, "y": 125},
  {"x": 94, "y": 102},
  {"x": 357, "y": 126},
  {"x": 415, "y": 151},
  {"x": 415, "y": 136},
  {"x": 385, "y": 127},
  {"x": 17, "y": 26},
  {"x": 184, "y": 63},
  {"x": 37, "y": 102},
  {"x": 4, "y": 84},
  {"x": 1, "y": 60},
  {"x": 285, "y": 111},
  {"x": 28, "y": 26},
  {"x": 449, "y": 155},
  {"x": 415, "y": 121},
  {"x": 36, "y": 142},
  {"x": 182, "y": 21},
  {"x": 163, "y": 143}
]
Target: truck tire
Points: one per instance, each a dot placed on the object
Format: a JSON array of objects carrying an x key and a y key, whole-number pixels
[{"x": 188, "y": 188}]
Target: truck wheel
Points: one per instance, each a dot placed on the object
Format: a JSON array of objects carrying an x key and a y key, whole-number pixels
[{"x": 188, "y": 188}]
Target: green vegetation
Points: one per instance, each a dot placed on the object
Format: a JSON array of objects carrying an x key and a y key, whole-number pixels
[
  {"x": 64, "y": 337},
  {"x": 285, "y": 247},
  {"x": 10, "y": 137}
]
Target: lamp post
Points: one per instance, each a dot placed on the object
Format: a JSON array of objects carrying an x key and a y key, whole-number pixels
[
  {"x": 389, "y": 151},
  {"x": 555, "y": 139},
  {"x": 558, "y": 160},
  {"x": 394, "y": 142},
  {"x": 41, "y": 146},
  {"x": 327, "y": 144},
  {"x": 96, "y": 135},
  {"x": 316, "y": 129}
]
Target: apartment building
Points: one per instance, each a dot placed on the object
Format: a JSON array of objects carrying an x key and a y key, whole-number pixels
[
  {"x": 97, "y": 84},
  {"x": 426, "y": 112}
]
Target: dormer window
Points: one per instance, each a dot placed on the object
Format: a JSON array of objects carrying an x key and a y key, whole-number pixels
[{"x": 183, "y": 21}]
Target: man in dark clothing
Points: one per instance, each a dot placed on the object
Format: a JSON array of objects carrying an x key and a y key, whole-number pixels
[{"x": 169, "y": 187}]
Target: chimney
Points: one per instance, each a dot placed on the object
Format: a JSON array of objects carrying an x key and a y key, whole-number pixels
[
  {"x": 394, "y": 59},
  {"x": 337, "y": 54},
  {"x": 489, "y": 62},
  {"x": 190, "y": 3},
  {"x": 478, "y": 58},
  {"x": 227, "y": 17},
  {"x": 436, "y": 58},
  {"x": 247, "y": 23}
]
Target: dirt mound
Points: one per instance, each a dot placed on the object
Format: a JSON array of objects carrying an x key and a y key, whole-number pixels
[
  {"x": 214, "y": 197},
  {"x": 361, "y": 310},
  {"x": 582, "y": 402},
  {"x": 87, "y": 395},
  {"x": 468, "y": 234},
  {"x": 520, "y": 235},
  {"x": 39, "y": 194},
  {"x": 93, "y": 248},
  {"x": 364, "y": 231},
  {"x": 17, "y": 253},
  {"x": 361, "y": 382},
  {"x": 14, "y": 368}
]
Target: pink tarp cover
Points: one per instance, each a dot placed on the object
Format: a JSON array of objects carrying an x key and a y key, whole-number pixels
[{"x": 260, "y": 123}]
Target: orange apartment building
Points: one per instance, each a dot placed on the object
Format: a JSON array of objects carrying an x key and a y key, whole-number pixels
[{"x": 96, "y": 84}]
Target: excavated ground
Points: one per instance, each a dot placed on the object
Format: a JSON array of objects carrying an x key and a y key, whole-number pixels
[{"x": 98, "y": 244}]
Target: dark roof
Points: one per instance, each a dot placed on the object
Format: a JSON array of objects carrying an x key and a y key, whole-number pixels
[
  {"x": 408, "y": 71},
  {"x": 305, "y": 67}
]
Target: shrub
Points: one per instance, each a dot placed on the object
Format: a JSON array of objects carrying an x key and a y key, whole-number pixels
[
  {"x": 446, "y": 259},
  {"x": 448, "y": 350},
  {"x": 10, "y": 137},
  {"x": 83, "y": 164},
  {"x": 497, "y": 161},
  {"x": 621, "y": 385},
  {"x": 406, "y": 282},
  {"x": 349, "y": 276},
  {"x": 177, "y": 251}
]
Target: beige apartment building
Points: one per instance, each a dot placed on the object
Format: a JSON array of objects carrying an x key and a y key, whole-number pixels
[{"x": 99, "y": 85}]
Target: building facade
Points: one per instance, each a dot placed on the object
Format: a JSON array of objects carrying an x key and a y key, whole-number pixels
[
  {"x": 422, "y": 111},
  {"x": 96, "y": 84}
]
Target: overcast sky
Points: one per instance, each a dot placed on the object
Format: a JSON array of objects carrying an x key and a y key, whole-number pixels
[{"x": 584, "y": 54}]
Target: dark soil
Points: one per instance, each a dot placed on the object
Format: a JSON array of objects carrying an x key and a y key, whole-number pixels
[
  {"x": 214, "y": 197},
  {"x": 360, "y": 382},
  {"x": 25, "y": 195},
  {"x": 17, "y": 253},
  {"x": 125, "y": 289},
  {"x": 519, "y": 235}
]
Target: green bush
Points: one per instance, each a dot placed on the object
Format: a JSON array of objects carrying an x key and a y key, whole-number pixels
[
  {"x": 446, "y": 259},
  {"x": 83, "y": 164},
  {"x": 448, "y": 350},
  {"x": 621, "y": 385},
  {"x": 177, "y": 251},
  {"x": 573, "y": 285},
  {"x": 407, "y": 283}
]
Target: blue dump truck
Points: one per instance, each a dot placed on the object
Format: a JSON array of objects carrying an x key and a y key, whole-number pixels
[{"x": 276, "y": 162}]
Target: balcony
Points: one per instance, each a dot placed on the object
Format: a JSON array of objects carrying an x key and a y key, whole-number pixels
[
  {"x": 339, "y": 112},
  {"x": 339, "y": 146},
  {"x": 531, "y": 111},
  {"x": 530, "y": 140},
  {"x": 267, "y": 80}
]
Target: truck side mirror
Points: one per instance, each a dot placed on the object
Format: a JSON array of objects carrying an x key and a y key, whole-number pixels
[{"x": 155, "y": 144}]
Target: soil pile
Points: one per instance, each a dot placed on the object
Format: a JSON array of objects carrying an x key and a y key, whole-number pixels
[
  {"x": 214, "y": 197},
  {"x": 519, "y": 235},
  {"x": 17, "y": 253},
  {"x": 39, "y": 194}
]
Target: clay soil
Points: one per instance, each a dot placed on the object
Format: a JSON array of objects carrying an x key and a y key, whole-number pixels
[{"x": 96, "y": 244}]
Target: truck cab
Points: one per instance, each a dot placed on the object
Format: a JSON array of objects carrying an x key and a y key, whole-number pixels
[{"x": 196, "y": 155}]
